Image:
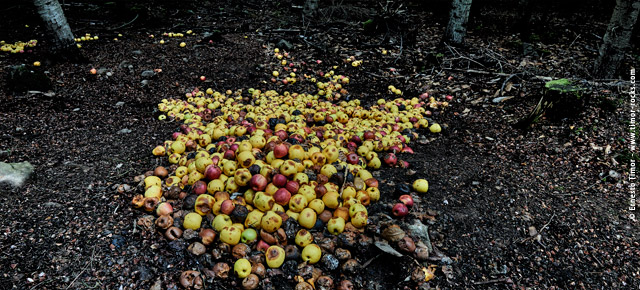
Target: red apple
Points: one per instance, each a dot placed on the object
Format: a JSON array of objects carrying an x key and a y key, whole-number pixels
[
  {"x": 262, "y": 246},
  {"x": 353, "y": 158},
  {"x": 320, "y": 190},
  {"x": 407, "y": 150},
  {"x": 369, "y": 135},
  {"x": 212, "y": 172},
  {"x": 282, "y": 196},
  {"x": 258, "y": 182},
  {"x": 227, "y": 206},
  {"x": 164, "y": 208},
  {"x": 279, "y": 180},
  {"x": 229, "y": 155},
  {"x": 282, "y": 134},
  {"x": 400, "y": 210},
  {"x": 280, "y": 150},
  {"x": 199, "y": 187},
  {"x": 292, "y": 186},
  {"x": 391, "y": 159},
  {"x": 395, "y": 149},
  {"x": 406, "y": 200}
]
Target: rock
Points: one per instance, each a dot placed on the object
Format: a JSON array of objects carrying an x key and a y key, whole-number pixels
[
  {"x": 147, "y": 74},
  {"x": 51, "y": 204},
  {"x": 118, "y": 241},
  {"x": 614, "y": 175},
  {"x": 144, "y": 83},
  {"x": 501, "y": 99},
  {"x": 21, "y": 79},
  {"x": 15, "y": 173},
  {"x": 144, "y": 273},
  {"x": 119, "y": 104},
  {"x": 197, "y": 248},
  {"x": 124, "y": 131},
  {"x": 284, "y": 44},
  {"x": 157, "y": 285},
  {"x": 330, "y": 262},
  {"x": 190, "y": 234}
]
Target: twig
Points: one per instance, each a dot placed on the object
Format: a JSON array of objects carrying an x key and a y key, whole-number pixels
[
  {"x": 126, "y": 24},
  {"x": 584, "y": 190},
  {"x": 370, "y": 260},
  {"x": 548, "y": 222},
  {"x": 574, "y": 40},
  {"x": 505, "y": 82},
  {"x": 501, "y": 280},
  {"x": 44, "y": 282},
  {"x": 399, "y": 53},
  {"x": 344, "y": 181},
  {"x": 83, "y": 269}
]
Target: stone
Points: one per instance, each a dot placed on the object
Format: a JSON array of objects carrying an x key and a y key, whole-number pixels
[
  {"x": 21, "y": 79},
  {"x": 15, "y": 173},
  {"x": 147, "y": 73}
]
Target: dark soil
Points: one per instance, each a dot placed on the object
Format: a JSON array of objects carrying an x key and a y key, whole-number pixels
[{"x": 69, "y": 228}]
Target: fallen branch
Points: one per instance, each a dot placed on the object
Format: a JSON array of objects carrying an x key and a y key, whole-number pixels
[
  {"x": 595, "y": 83},
  {"x": 501, "y": 280},
  {"x": 126, "y": 24}
]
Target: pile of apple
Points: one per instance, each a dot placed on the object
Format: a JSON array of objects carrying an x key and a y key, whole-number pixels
[
  {"x": 246, "y": 164},
  {"x": 17, "y": 47}
]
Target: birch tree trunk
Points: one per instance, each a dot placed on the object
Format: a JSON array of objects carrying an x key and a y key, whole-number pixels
[
  {"x": 616, "y": 39},
  {"x": 52, "y": 15},
  {"x": 457, "y": 26}
]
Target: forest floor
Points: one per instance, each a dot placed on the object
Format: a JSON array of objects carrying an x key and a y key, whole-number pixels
[{"x": 492, "y": 187}]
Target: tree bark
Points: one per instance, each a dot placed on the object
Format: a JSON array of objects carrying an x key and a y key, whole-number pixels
[
  {"x": 523, "y": 23},
  {"x": 51, "y": 13},
  {"x": 616, "y": 39},
  {"x": 457, "y": 26}
]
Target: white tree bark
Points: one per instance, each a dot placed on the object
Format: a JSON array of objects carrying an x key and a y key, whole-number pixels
[
  {"x": 51, "y": 13},
  {"x": 457, "y": 26},
  {"x": 616, "y": 39}
]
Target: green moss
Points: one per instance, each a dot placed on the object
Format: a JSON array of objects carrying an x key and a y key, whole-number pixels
[{"x": 563, "y": 86}]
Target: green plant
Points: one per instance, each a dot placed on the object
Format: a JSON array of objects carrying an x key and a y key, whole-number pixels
[{"x": 625, "y": 156}]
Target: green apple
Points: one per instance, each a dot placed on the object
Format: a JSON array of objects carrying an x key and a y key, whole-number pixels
[
  {"x": 242, "y": 268},
  {"x": 307, "y": 218},
  {"x": 221, "y": 221},
  {"x": 230, "y": 235},
  {"x": 303, "y": 238},
  {"x": 356, "y": 207},
  {"x": 359, "y": 220},
  {"x": 248, "y": 236},
  {"x": 271, "y": 221},
  {"x": 421, "y": 185},
  {"x": 274, "y": 256},
  {"x": 192, "y": 221},
  {"x": 297, "y": 203},
  {"x": 253, "y": 219},
  {"x": 336, "y": 225},
  {"x": 311, "y": 253}
]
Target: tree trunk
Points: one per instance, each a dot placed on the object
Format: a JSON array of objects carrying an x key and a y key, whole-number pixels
[
  {"x": 52, "y": 15},
  {"x": 616, "y": 39},
  {"x": 457, "y": 26},
  {"x": 523, "y": 23}
]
